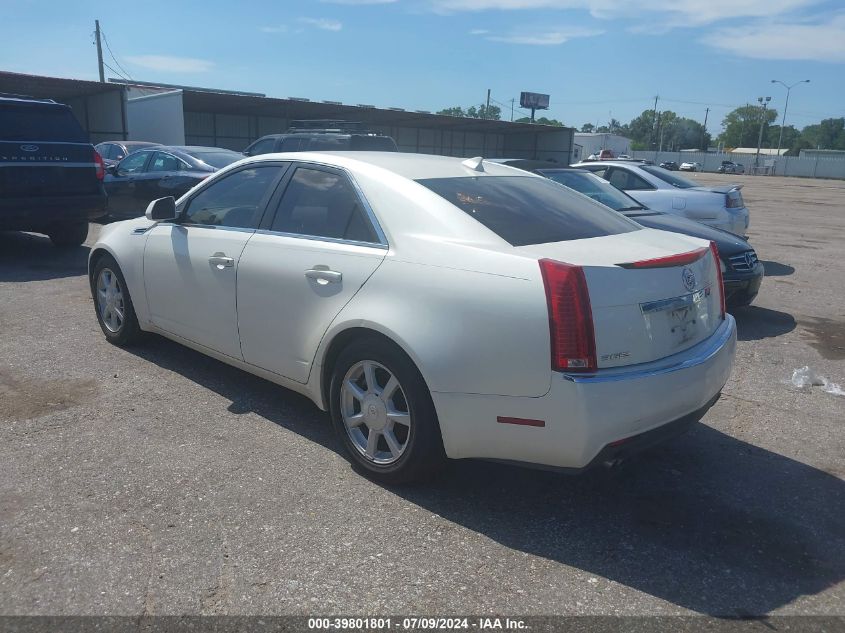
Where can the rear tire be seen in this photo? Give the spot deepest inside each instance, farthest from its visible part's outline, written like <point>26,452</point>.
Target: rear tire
<point>113,305</point>
<point>389,428</point>
<point>68,234</point>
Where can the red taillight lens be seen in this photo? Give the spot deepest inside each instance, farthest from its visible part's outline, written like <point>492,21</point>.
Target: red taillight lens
<point>570,317</point>
<point>715,250</point>
<point>101,168</point>
<point>733,202</point>
<point>668,262</point>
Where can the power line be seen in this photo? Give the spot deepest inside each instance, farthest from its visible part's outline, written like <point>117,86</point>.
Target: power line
<point>106,40</point>
<point>116,72</point>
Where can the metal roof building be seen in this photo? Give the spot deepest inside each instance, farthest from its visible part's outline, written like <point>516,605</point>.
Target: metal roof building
<point>182,115</point>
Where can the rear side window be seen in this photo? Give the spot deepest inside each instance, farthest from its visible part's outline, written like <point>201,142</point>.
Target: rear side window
<point>372,144</point>
<point>327,144</point>
<point>20,122</point>
<point>667,176</point>
<point>322,204</point>
<point>626,181</point>
<point>291,144</point>
<point>525,210</point>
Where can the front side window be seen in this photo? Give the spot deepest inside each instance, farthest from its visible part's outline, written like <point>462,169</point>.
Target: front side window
<point>526,210</point>
<point>117,152</point>
<point>234,200</point>
<point>132,164</point>
<point>322,204</point>
<point>262,146</point>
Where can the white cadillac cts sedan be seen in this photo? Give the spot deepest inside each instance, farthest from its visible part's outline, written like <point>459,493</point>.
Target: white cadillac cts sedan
<point>437,307</point>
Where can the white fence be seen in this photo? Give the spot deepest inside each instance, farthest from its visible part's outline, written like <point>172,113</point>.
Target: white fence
<point>816,167</point>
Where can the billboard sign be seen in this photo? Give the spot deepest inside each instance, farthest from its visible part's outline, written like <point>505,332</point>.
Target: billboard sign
<point>534,101</point>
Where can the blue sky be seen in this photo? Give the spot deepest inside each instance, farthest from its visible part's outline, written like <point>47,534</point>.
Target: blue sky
<point>596,58</point>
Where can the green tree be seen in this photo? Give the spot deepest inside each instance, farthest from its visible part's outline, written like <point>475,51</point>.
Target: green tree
<point>542,121</point>
<point>587,128</point>
<point>741,126</point>
<point>790,136</point>
<point>475,112</point>
<point>827,134</point>
<point>641,130</point>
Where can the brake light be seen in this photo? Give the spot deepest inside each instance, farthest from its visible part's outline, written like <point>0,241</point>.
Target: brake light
<point>734,202</point>
<point>715,250</point>
<point>101,167</point>
<point>573,342</point>
<point>668,262</point>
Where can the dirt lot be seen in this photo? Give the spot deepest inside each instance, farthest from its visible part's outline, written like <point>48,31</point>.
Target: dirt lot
<point>157,481</point>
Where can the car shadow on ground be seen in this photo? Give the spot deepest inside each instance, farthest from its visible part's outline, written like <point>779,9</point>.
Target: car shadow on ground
<point>706,522</point>
<point>776,269</point>
<point>754,323</point>
<point>32,257</point>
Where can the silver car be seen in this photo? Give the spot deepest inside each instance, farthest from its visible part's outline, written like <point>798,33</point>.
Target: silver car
<point>720,206</point>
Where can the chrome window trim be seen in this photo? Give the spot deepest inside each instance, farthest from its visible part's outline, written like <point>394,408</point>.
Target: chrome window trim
<point>707,349</point>
<point>218,227</point>
<point>320,238</point>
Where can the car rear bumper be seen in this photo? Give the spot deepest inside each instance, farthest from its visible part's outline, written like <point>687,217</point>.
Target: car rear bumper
<point>35,213</point>
<point>741,289</point>
<point>584,417</point>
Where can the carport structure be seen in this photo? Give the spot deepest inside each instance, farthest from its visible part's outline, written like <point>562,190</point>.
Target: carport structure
<point>233,120</point>
<point>99,107</point>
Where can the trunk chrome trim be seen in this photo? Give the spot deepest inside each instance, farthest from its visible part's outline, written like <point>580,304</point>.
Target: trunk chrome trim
<point>702,352</point>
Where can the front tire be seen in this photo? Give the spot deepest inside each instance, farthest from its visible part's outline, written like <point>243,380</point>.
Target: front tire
<point>383,414</point>
<point>113,305</point>
<point>73,234</point>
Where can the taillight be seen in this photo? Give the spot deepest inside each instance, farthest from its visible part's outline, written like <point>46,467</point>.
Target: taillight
<point>101,167</point>
<point>715,250</point>
<point>669,261</point>
<point>734,202</point>
<point>573,343</point>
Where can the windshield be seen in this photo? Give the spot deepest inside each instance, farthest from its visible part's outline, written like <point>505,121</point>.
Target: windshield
<point>596,188</point>
<point>667,176</point>
<point>218,159</point>
<point>526,210</point>
<point>40,123</point>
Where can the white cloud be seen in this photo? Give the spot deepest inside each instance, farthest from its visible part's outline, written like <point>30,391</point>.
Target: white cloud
<point>166,63</point>
<point>543,37</point>
<point>677,13</point>
<point>479,32</point>
<point>281,28</point>
<point>822,42</point>
<point>323,23</point>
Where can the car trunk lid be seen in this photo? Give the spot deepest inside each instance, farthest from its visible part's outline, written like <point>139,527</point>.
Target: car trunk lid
<point>642,313</point>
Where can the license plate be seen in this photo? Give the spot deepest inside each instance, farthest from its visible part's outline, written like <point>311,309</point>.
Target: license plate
<point>685,317</point>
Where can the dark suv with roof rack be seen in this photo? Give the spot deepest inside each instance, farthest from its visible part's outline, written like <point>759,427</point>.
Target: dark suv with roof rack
<point>323,136</point>
<point>51,177</point>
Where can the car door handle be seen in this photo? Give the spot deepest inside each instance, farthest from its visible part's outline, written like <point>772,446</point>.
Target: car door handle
<point>324,276</point>
<point>221,261</point>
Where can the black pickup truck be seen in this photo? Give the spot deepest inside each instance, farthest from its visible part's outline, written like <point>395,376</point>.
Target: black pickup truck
<point>51,178</point>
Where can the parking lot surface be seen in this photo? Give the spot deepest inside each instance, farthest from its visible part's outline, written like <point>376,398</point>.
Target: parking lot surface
<point>158,481</point>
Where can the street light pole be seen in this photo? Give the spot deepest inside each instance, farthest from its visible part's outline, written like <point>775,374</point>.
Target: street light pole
<point>786,105</point>
<point>764,103</point>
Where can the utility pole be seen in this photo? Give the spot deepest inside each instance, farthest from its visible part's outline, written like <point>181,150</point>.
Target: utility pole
<point>764,103</point>
<point>99,51</point>
<point>654,124</point>
<point>487,109</point>
<point>704,131</point>
<point>657,148</point>
<point>512,101</point>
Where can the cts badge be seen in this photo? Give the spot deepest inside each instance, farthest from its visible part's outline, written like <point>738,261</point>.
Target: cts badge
<point>689,278</point>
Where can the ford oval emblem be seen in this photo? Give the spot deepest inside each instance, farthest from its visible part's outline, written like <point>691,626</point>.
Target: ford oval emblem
<point>689,279</point>
<point>29,148</point>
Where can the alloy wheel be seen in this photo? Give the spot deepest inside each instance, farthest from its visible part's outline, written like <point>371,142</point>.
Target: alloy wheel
<point>110,300</point>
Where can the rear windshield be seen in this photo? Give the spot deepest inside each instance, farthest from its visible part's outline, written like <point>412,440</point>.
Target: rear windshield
<point>217,159</point>
<point>667,176</point>
<point>596,188</point>
<point>526,210</point>
<point>373,144</point>
<point>20,122</point>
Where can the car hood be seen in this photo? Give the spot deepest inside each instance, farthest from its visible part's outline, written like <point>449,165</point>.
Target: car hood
<point>728,243</point>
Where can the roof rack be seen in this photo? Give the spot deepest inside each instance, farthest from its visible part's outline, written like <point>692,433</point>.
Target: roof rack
<point>11,95</point>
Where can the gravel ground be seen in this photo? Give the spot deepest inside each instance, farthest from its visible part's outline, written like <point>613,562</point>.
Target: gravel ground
<point>158,481</point>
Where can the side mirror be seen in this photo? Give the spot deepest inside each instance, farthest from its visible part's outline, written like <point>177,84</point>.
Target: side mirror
<point>162,209</point>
